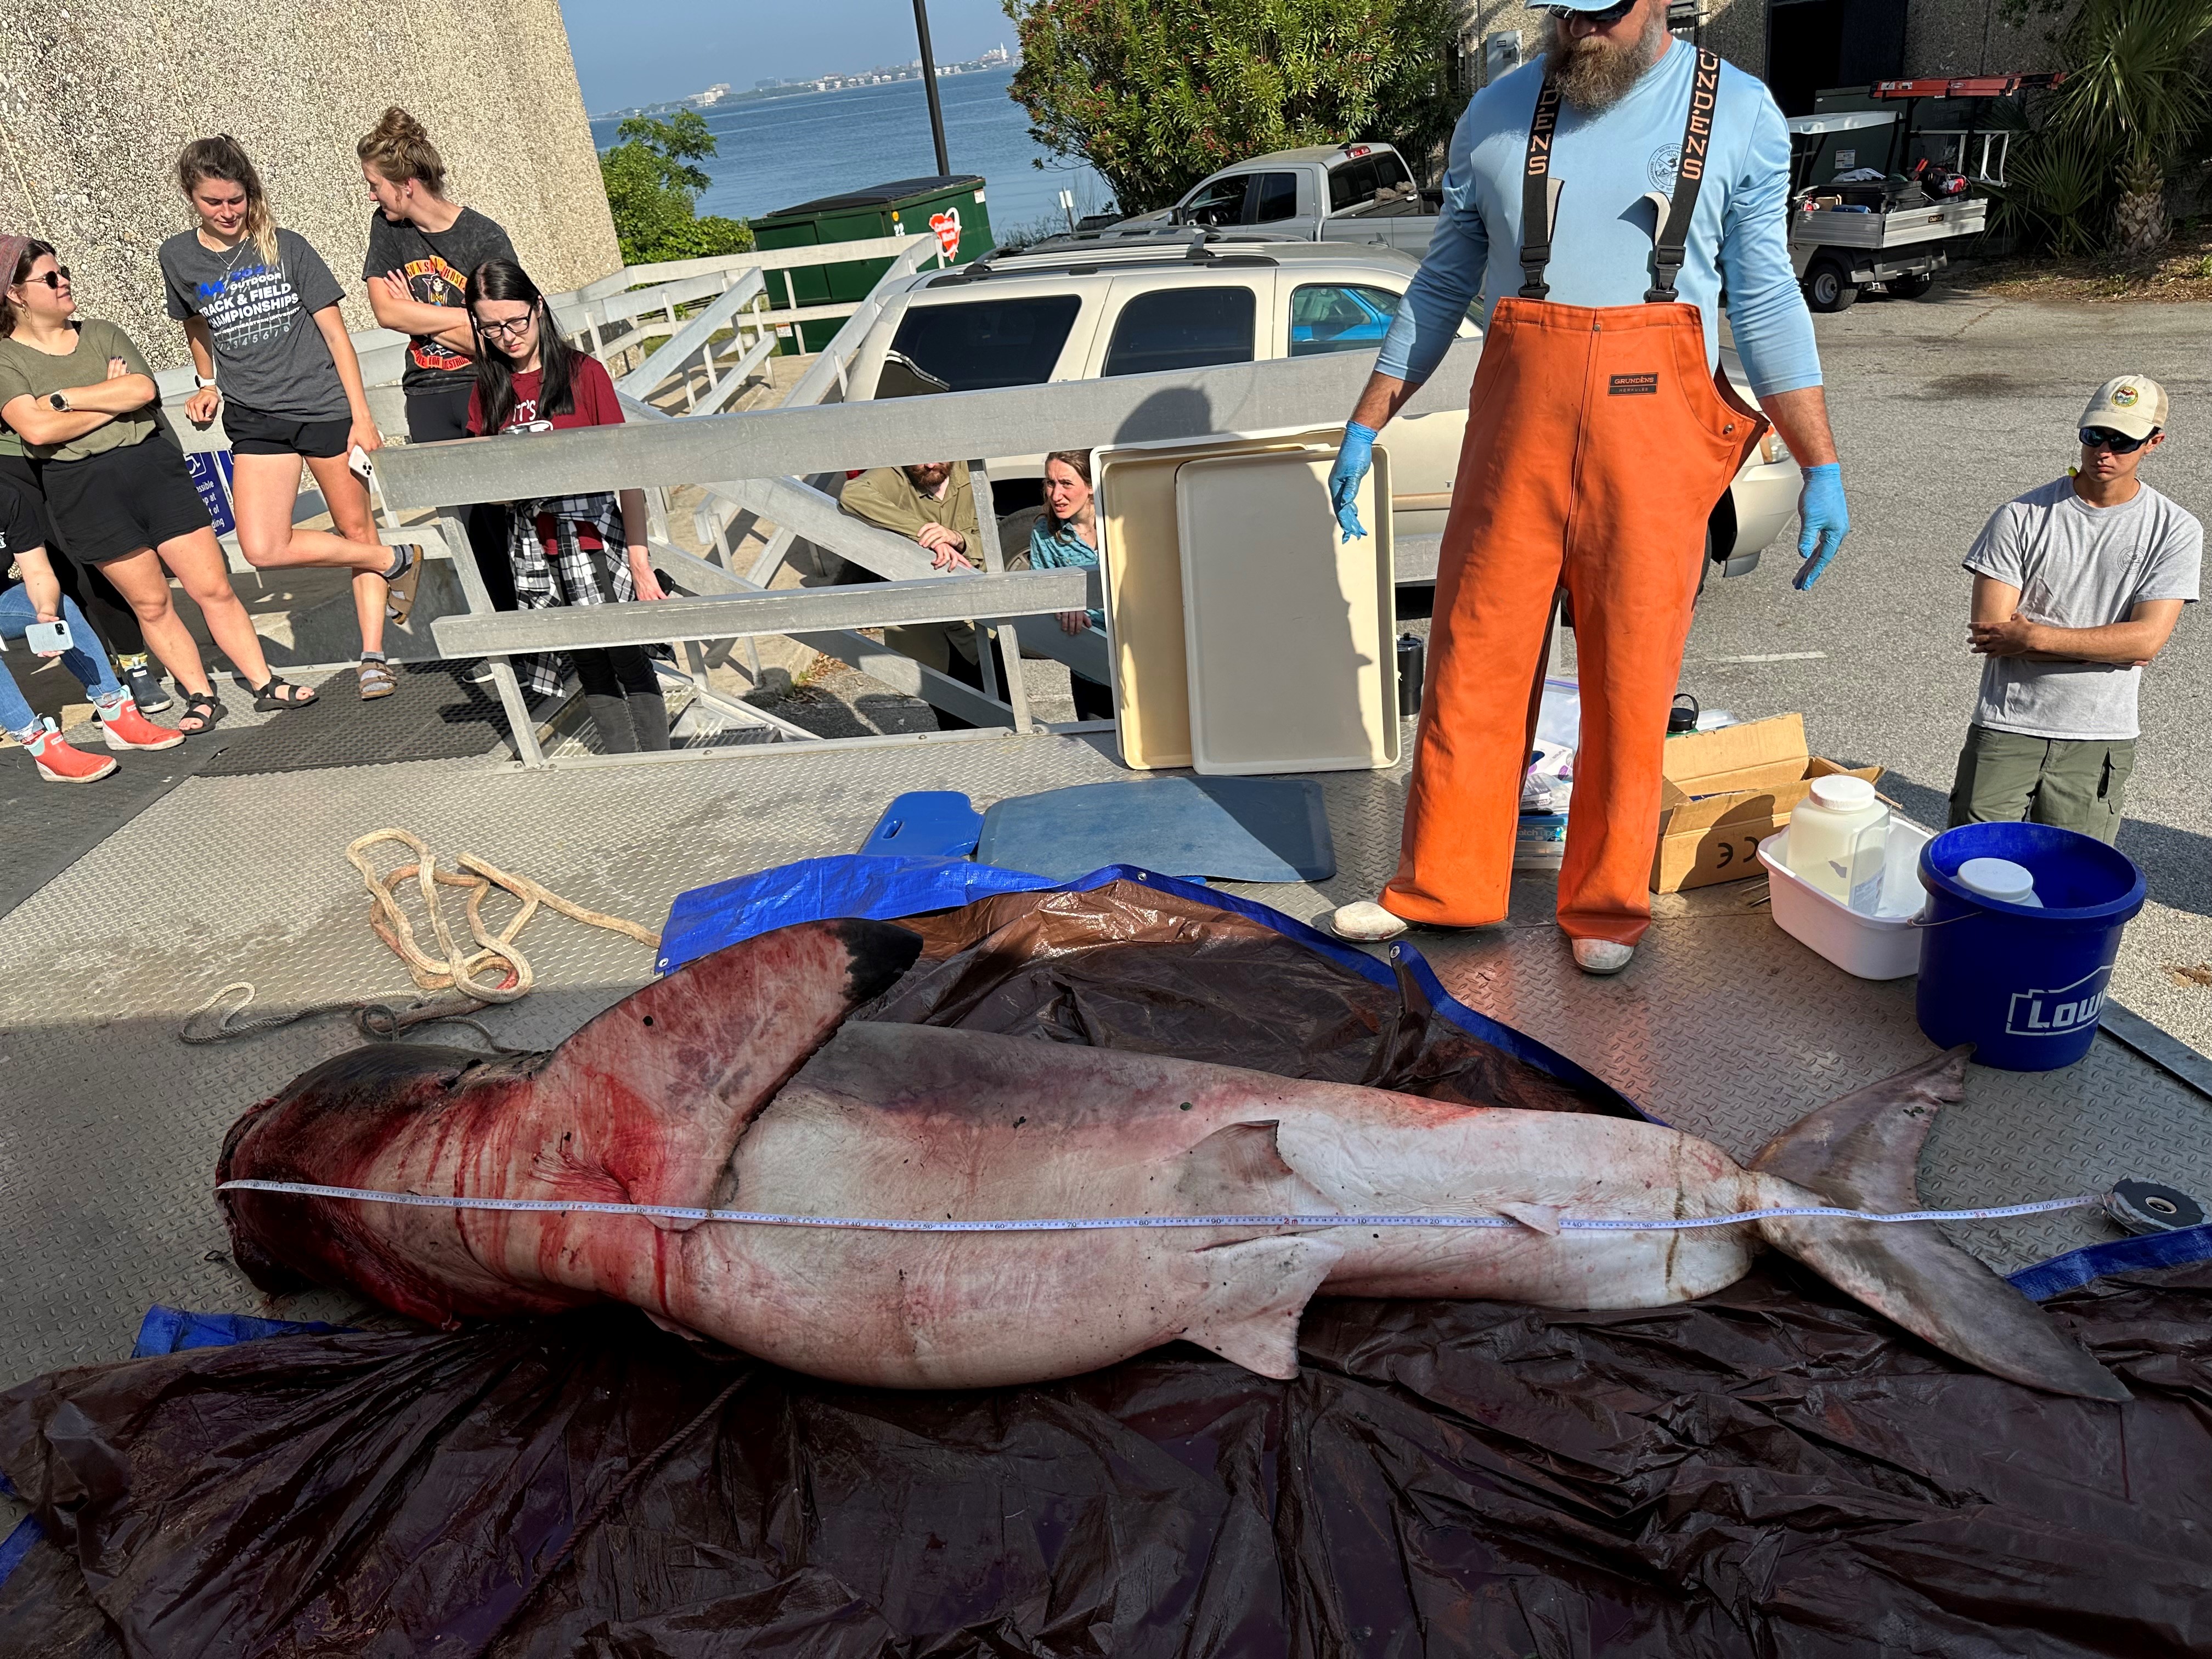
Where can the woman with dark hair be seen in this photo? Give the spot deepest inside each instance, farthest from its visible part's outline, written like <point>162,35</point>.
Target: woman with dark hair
<point>270,351</point>
<point>80,395</point>
<point>563,551</point>
<point>1067,535</point>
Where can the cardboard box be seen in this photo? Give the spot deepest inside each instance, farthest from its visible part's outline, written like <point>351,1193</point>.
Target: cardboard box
<point>1725,792</point>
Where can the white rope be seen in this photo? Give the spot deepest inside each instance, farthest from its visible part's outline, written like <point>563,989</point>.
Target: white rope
<point>1109,1223</point>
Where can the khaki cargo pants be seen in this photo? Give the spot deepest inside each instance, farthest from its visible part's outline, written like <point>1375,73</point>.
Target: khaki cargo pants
<point>2075,783</point>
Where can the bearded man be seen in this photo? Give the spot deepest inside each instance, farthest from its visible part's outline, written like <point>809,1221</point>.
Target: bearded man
<point>1602,198</point>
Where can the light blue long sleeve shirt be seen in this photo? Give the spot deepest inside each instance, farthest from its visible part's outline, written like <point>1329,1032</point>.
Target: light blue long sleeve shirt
<point>1601,244</point>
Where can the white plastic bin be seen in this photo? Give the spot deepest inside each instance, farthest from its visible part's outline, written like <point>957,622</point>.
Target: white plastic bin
<point>1883,945</point>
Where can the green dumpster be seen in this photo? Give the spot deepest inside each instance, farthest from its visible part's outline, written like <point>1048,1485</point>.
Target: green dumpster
<point>950,208</point>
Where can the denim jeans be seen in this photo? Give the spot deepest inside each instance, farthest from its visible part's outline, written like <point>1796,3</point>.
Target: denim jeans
<point>84,659</point>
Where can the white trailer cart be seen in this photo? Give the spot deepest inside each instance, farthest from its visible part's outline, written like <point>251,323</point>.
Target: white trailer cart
<point>1838,251</point>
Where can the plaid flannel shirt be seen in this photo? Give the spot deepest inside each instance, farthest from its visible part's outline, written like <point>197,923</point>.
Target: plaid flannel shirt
<point>569,576</point>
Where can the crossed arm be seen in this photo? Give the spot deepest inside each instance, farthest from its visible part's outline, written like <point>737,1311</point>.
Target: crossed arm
<point>396,309</point>
<point>1998,629</point>
<point>37,421</point>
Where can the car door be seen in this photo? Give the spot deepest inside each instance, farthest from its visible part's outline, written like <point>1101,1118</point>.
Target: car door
<point>1333,314</point>
<point>1181,319</point>
<point>1273,206</point>
<point>1219,203</point>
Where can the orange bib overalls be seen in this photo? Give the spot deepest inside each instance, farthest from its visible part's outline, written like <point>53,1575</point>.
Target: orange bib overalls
<point>1597,443</point>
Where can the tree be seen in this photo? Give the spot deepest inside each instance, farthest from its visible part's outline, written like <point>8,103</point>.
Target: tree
<point>1157,94</point>
<point>2096,151</point>
<point>652,180</point>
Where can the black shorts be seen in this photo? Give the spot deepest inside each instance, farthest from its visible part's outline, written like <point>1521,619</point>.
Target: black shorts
<point>252,433</point>
<point>20,475</point>
<point>121,500</point>
<point>438,417</point>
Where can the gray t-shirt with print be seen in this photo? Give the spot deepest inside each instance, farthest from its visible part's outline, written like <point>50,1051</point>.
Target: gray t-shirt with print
<point>2079,566</point>
<point>270,356</point>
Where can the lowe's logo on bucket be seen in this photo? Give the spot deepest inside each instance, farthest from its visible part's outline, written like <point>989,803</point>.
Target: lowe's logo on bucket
<point>2052,1013</point>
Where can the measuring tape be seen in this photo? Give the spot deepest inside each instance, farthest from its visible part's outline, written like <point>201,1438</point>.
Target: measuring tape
<point>1122,1223</point>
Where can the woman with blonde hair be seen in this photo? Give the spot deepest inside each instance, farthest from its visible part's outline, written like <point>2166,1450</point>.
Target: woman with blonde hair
<point>270,351</point>
<point>422,248</point>
<point>81,396</point>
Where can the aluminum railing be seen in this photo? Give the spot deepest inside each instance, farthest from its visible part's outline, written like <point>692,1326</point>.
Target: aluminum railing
<point>766,450</point>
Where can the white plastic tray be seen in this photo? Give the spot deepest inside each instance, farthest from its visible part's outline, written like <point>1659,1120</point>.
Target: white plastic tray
<point>1288,627</point>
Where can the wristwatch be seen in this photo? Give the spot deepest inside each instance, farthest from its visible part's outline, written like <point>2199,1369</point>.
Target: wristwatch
<point>59,400</point>
<point>208,385</point>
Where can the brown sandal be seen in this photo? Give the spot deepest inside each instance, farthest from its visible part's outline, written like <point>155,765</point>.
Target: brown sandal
<point>399,595</point>
<point>377,680</point>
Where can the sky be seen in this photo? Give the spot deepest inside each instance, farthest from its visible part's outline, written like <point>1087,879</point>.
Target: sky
<point>645,52</point>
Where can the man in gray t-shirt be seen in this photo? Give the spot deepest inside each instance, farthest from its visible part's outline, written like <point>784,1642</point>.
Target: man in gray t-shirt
<point>2077,586</point>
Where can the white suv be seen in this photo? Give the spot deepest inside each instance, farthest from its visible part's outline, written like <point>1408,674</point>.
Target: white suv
<point>1083,313</point>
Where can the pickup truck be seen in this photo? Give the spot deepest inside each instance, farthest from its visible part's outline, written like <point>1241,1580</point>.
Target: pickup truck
<point>1323,193</point>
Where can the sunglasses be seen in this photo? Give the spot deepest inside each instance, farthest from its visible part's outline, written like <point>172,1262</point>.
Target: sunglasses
<point>511,328</point>
<point>1602,20</point>
<point>2099,437</point>
<point>53,279</point>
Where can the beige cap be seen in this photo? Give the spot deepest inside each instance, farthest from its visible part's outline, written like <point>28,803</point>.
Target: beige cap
<point>2133,406</point>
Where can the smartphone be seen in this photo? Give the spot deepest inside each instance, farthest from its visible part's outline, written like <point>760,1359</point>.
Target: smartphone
<point>48,639</point>
<point>357,463</point>
<point>527,425</point>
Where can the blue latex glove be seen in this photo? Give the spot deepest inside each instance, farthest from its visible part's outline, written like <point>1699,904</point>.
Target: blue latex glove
<point>1825,521</point>
<point>1352,462</point>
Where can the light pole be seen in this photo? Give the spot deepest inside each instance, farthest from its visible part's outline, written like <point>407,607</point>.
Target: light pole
<point>929,80</point>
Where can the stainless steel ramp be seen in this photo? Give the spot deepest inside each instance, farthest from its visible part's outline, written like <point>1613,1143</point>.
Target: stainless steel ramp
<point>111,1127</point>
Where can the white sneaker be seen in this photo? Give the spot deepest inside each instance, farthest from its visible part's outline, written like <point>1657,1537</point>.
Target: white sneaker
<point>1364,921</point>
<point>1601,955</point>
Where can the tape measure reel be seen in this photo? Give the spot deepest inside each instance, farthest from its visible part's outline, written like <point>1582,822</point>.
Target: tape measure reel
<point>2145,1206</point>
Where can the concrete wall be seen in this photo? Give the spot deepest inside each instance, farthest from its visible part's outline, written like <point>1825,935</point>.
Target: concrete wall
<point>95,101</point>
<point>1941,37</point>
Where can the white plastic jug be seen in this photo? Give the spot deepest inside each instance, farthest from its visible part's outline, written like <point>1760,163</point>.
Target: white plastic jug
<point>2000,879</point>
<point>1839,838</point>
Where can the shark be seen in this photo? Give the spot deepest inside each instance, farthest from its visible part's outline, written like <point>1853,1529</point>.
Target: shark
<point>740,1081</point>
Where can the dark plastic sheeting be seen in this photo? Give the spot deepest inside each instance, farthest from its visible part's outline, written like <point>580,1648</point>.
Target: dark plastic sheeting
<point>1771,1472</point>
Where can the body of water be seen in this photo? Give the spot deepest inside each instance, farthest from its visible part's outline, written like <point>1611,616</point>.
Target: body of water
<point>776,153</point>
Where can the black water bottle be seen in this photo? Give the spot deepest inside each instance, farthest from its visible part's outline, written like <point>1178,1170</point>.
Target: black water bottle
<point>1412,668</point>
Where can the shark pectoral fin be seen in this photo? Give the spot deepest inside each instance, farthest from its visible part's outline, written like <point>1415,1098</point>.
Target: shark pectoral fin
<point>1255,1293</point>
<point>1543,1218</point>
<point>1239,1170</point>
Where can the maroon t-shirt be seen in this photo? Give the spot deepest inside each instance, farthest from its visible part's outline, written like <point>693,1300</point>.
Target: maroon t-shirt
<point>592,403</point>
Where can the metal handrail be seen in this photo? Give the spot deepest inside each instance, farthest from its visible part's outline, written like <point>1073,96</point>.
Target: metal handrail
<point>787,443</point>
<point>697,335</point>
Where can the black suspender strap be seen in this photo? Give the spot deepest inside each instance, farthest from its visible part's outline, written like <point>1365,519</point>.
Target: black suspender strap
<point>1537,194</point>
<point>1669,247</point>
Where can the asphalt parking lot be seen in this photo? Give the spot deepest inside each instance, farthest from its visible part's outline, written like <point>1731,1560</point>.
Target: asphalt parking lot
<point>1944,407</point>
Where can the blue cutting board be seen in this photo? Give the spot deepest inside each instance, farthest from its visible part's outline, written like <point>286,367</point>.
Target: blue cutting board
<point>1260,829</point>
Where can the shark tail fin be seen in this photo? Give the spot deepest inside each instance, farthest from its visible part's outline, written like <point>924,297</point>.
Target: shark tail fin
<point>1862,1151</point>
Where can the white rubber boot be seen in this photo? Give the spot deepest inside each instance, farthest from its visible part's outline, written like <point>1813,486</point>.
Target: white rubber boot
<point>1364,921</point>
<point>1602,955</point>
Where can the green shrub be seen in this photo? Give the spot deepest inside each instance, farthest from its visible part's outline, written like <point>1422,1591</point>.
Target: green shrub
<point>652,180</point>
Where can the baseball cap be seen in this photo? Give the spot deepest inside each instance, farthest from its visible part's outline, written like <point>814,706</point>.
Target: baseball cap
<point>2133,406</point>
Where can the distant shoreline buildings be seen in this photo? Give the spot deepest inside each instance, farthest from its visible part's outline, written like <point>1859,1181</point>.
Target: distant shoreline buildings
<point>720,95</point>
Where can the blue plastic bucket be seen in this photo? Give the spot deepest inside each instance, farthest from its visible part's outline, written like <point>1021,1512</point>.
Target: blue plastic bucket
<point>2025,986</point>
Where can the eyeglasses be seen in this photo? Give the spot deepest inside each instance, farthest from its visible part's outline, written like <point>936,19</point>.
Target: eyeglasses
<point>53,279</point>
<point>2099,437</point>
<point>1600,20</point>
<point>512,327</point>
